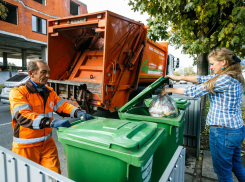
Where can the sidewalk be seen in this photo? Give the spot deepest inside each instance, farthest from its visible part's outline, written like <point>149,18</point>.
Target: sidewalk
<point>202,170</point>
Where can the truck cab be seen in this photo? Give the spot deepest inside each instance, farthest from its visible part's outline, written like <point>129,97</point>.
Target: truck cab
<point>172,64</point>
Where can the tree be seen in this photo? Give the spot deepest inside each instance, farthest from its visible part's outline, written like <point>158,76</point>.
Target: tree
<point>198,26</point>
<point>188,71</point>
<point>177,73</point>
<point>11,64</point>
<point>3,12</point>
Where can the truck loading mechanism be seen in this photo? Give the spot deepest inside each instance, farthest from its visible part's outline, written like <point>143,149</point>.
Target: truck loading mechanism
<point>99,59</point>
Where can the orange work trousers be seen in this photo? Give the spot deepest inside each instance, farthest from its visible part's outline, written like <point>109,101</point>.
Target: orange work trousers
<point>45,155</point>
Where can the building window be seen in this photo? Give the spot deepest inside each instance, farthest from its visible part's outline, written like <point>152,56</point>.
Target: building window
<point>12,14</point>
<point>39,25</point>
<point>74,8</point>
<point>43,2</point>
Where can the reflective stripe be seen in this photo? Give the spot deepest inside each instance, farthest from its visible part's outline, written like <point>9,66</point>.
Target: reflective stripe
<point>31,140</point>
<point>27,106</point>
<point>20,107</point>
<point>57,106</point>
<point>36,122</point>
<point>49,114</point>
<point>73,112</point>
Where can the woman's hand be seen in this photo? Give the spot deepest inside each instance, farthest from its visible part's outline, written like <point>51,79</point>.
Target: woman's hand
<point>163,91</point>
<point>173,77</point>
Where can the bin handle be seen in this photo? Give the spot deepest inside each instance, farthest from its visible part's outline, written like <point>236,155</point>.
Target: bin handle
<point>127,171</point>
<point>76,122</point>
<point>79,121</point>
<point>170,130</point>
<point>183,120</point>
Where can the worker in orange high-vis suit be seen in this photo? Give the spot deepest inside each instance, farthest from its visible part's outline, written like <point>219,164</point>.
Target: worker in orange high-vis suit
<point>32,105</point>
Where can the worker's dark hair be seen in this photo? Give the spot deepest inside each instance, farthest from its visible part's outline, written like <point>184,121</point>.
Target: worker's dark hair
<point>32,65</point>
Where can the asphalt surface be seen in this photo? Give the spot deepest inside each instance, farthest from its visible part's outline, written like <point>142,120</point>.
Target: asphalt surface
<point>5,127</point>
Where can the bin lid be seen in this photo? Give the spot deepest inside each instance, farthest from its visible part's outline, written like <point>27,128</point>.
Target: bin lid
<point>182,103</point>
<point>111,132</point>
<point>132,142</point>
<point>141,96</point>
<point>180,100</point>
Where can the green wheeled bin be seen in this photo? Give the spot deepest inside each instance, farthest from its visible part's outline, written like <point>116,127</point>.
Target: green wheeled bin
<point>172,127</point>
<point>110,150</point>
<point>182,104</point>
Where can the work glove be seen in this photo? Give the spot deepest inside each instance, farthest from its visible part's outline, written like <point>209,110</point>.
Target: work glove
<point>60,123</point>
<point>84,115</point>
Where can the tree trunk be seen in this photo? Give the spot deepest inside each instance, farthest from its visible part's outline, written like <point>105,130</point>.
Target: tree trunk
<point>202,69</point>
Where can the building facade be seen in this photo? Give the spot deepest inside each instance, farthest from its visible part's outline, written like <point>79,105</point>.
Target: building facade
<point>23,34</point>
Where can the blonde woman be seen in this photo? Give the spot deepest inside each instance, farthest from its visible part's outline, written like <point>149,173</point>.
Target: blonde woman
<point>225,90</point>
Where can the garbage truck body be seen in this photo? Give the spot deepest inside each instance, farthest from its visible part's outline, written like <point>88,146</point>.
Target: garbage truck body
<point>99,59</point>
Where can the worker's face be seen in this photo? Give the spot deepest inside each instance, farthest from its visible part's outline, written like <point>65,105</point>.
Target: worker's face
<point>216,66</point>
<point>41,76</point>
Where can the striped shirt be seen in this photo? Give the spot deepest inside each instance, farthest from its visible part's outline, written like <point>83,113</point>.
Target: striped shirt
<point>225,103</point>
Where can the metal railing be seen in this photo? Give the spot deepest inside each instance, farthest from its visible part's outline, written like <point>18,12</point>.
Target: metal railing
<point>175,172</point>
<point>15,168</point>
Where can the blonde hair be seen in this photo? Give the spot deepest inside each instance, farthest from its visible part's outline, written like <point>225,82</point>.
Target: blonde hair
<point>233,68</point>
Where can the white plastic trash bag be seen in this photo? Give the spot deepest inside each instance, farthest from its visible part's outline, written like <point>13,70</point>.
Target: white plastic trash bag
<point>163,106</point>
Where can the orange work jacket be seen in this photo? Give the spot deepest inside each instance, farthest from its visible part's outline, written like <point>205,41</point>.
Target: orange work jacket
<point>32,113</point>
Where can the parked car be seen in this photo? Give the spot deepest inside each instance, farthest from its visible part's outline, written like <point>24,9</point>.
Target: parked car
<point>183,82</point>
<point>10,83</point>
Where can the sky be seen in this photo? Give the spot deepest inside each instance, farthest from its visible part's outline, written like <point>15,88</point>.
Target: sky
<point>121,7</point>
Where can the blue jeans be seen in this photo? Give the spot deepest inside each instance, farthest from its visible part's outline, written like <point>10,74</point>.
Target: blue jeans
<point>225,147</point>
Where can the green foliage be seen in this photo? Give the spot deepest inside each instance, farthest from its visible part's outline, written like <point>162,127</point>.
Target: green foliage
<point>176,73</point>
<point>186,71</point>
<point>196,25</point>
<point>3,11</point>
<point>1,87</point>
<point>11,64</point>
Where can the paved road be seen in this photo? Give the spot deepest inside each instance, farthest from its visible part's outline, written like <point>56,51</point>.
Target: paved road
<point>5,126</point>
